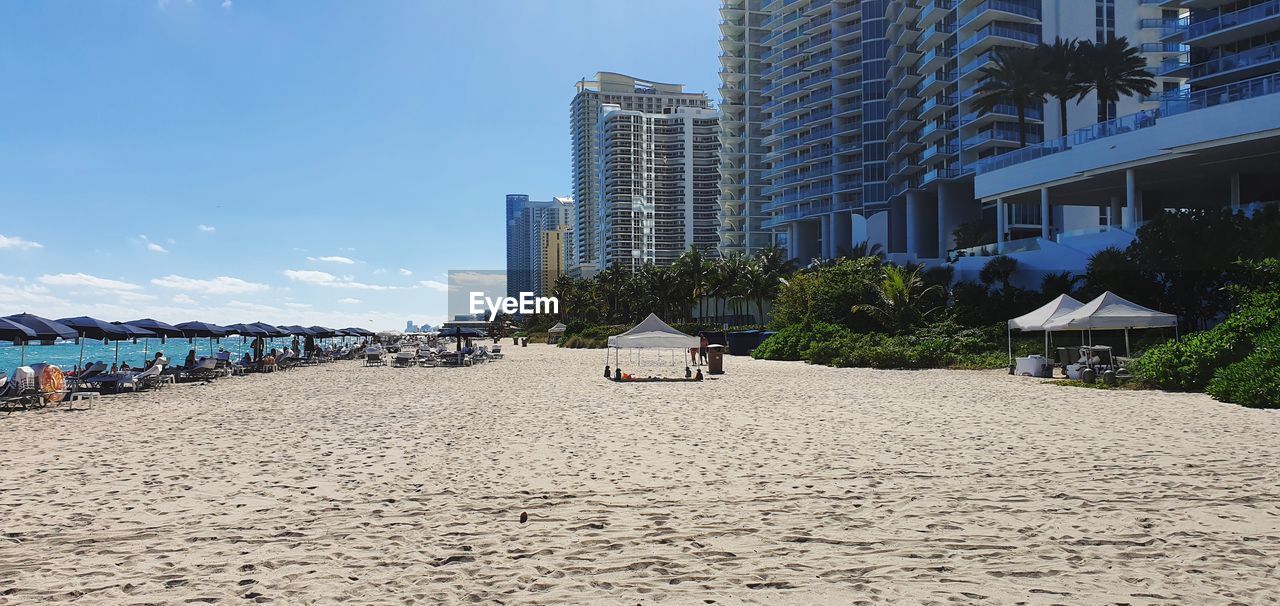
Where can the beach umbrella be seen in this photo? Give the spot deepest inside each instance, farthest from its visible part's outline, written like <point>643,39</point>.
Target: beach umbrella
<point>192,330</point>
<point>321,331</point>
<point>44,329</point>
<point>134,333</point>
<point>164,331</point>
<point>12,331</point>
<point>271,330</point>
<point>298,330</point>
<point>98,330</point>
<point>246,330</point>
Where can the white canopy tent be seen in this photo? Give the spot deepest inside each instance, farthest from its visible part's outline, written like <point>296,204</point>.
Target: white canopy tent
<point>1042,316</point>
<point>1112,312</point>
<point>652,333</point>
<point>558,328</point>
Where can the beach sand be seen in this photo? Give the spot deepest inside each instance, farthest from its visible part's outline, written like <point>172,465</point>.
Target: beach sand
<point>776,483</point>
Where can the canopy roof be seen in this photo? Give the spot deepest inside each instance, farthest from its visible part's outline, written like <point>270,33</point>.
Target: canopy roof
<point>202,329</point>
<point>94,328</point>
<point>158,327</point>
<point>559,327</point>
<point>654,333</point>
<point>13,331</point>
<point>1054,309</point>
<point>135,331</point>
<point>44,328</point>
<point>1110,311</point>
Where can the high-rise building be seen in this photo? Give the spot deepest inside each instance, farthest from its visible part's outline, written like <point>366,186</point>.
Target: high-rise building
<point>526,221</point>
<point>658,185</point>
<point>849,122</point>
<point>627,93</point>
<point>553,243</point>
<point>1210,144</point>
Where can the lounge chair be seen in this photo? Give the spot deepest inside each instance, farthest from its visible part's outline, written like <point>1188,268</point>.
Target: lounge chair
<point>149,378</point>
<point>204,370</point>
<point>373,358</point>
<point>496,354</point>
<point>403,359</point>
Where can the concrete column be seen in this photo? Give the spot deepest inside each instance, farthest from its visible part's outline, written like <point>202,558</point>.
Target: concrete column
<point>841,231</point>
<point>1235,191</point>
<point>1001,224</point>
<point>824,228</point>
<point>1044,213</point>
<point>915,222</point>
<point>1114,217</point>
<point>1128,220</point>
<point>792,251</point>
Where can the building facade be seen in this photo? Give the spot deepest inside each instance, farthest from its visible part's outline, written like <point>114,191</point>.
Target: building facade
<point>553,257</point>
<point>629,94</point>
<point>527,220</point>
<point>1213,143</point>
<point>659,185</point>
<point>850,122</point>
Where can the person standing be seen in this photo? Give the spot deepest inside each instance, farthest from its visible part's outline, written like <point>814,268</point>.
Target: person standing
<point>257,347</point>
<point>294,345</point>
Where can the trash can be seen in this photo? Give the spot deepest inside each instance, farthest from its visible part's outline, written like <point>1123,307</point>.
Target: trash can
<point>715,359</point>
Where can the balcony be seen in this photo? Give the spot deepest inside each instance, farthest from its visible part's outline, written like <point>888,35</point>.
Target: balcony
<point>939,152</point>
<point>936,106</point>
<point>936,129</point>
<point>1003,111</point>
<point>1234,66</point>
<point>934,11</point>
<point>1174,103</point>
<point>935,83</point>
<point>936,35</point>
<point>995,137</point>
<point>935,59</point>
<point>1004,10</point>
<point>944,174</point>
<point>996,34</point>
<point>1253,21</point>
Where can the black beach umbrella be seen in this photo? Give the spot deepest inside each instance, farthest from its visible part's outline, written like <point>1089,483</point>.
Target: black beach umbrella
<point>193,330</point>
<point>164,331</point>
<point>98,330</point>
<point>44,329</point>
<point>135,333</point>
<point>12,331</point>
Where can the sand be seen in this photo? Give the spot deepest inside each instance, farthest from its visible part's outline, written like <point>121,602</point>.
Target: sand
<point>776,483</point>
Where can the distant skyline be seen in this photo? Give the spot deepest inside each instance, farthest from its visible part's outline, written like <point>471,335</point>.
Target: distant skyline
<point>294,161</point>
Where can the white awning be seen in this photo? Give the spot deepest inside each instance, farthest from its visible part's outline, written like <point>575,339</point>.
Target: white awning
<point>654,333</point>
<point>1052,310</point>
<point>1111,312</point>
<point>559,327</point>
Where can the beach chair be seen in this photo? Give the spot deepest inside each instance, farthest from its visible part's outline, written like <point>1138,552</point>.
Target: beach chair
<point>148,379</point>
<point>403,359</point>
<point>373,358</point>
<point>204,370</point>
<point>496,354</point>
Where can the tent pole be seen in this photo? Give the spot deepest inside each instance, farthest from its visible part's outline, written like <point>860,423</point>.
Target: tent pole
<point>81,353</point>
<point>117,362</point>
<point>1127,353</point>
<point>1008,332</point>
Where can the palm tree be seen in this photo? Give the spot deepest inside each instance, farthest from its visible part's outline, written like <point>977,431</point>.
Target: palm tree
<point>758,285</point>
<point>865,248</point>
<point>1113,69</point>
<point>1016,79</point>
<point>901,297</point>
<point>1063,63</point>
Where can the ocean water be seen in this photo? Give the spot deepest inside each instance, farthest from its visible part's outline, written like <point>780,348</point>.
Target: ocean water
<point>67,354</point>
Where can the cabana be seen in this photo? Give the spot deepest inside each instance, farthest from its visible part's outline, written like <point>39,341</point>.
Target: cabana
<point>652,333</point>
<point>556,332</point>
<point>1038,319</point>
<point>1111,312</point>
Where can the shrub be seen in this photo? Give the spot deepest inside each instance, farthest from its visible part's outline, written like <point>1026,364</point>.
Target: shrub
<point>828,294</point>
<point>794,342</point>
<point>1188,364</point>
<point>1255,380</point>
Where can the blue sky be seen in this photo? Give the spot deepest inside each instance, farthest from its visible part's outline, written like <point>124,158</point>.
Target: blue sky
<point>294,161</point>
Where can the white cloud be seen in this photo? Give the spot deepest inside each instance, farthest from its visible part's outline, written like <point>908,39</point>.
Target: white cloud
<point>208,229</point>
<point>333,259</point>
<point>323,278</point>
<point>226,4</point>
<point>379,271</point>
<point>17,243</point>
<point>87,281</point>
<point>434,285</point>
<point>221,285</point>
<point>183,299</point>
<point>349,301</point>
<point>152,246</point>
<point>298,305</point>
<point>405,272</point>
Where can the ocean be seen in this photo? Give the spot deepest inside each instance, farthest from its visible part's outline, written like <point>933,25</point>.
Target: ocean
<point>66,354</point>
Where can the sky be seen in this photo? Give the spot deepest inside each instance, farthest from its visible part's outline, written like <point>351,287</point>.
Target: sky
<point>295,161</point>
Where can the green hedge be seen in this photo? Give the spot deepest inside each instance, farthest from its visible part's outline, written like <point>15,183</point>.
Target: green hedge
<point>1189,363</point>
<point>794,342</point>
<point>1255,380</point>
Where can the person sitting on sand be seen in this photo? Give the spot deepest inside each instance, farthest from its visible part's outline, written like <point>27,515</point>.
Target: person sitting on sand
<point>124,367</point>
